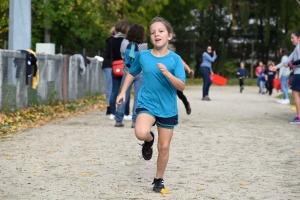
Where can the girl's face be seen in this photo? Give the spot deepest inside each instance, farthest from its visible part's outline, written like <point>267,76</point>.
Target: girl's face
<point>294,39</point>
<point>159,35</point>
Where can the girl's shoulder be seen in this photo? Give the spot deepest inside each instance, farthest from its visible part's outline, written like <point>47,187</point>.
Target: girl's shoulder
<point>145,52</point>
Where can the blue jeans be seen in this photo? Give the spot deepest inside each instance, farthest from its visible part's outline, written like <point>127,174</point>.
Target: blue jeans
<point>116,84</point>
<point>206,80</point>
<point>108,80</point>
<point>137,83</point>
<point>284,86</point>
<point>258,81</point>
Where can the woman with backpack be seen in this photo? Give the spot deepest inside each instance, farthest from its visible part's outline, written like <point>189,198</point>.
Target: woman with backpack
<point>131,46</point>
<point>113,53</point>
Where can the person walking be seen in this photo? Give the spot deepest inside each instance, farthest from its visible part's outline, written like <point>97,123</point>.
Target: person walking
<point>284,75</point>
<point>270,76</point>
<point>107,69</point>
<point>180,94</point>
<point>130,47</point>
<point>262,79</point>
<point>242,73</point>
<point>163,75</point>
<point>257,73</point>
<point>295,83</point>
<point>114,53</point>
<point>208,57</point>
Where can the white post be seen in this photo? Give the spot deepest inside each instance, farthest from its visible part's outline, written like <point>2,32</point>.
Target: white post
<point>19,36</point>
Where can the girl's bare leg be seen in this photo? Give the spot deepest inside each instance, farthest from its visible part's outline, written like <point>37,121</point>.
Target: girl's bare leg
<point>163,146</point>
<point>143,125</point>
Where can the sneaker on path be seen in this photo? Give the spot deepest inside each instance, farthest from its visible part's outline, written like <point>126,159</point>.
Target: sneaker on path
<point>206,98</point>
<point>107,110</point>
<point>147,148</point>
<point>111,116</point>
<point>280,100</point>
<point>241,89</point>
<point>127,117</point>
<point>133,124</point>
<point>188,109</point>
<point>285,101</point>
<point>295,121</point>
<point>119,124</point>
<point>158,184</point>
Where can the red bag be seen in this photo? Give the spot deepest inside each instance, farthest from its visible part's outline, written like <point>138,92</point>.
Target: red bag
<point>117,68</point>
<point>276,84</point>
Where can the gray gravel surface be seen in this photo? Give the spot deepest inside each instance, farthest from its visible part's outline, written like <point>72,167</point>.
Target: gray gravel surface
<point>237,146</point>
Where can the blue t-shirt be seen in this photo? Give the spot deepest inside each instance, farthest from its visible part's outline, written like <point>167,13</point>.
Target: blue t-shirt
<point>157,94</point>
<point>243,72</point>
<point>262,76</point>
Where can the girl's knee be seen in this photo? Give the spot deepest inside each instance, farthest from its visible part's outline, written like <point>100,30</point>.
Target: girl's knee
<point>163,148</point>
<point>142,133</point>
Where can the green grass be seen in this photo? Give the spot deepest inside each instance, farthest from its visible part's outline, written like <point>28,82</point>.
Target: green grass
<point>230,82</point>
<point>290,97</point>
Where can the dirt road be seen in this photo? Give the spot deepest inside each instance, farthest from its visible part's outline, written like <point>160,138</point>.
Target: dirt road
<point>237,146</point>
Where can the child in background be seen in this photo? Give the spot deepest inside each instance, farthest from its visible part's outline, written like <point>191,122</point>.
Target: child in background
<point>257,73</point>
<point>262,80</point>
<point>163,75</point>
<point>270,75</point>
<point>242,73</point>
<point>180,93</point>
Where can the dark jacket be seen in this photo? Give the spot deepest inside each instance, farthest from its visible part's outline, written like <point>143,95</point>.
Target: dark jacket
<point>113,50</point>
<point>107,61</point>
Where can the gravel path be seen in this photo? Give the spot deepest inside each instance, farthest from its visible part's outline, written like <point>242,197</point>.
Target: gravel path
<point>237,146</point>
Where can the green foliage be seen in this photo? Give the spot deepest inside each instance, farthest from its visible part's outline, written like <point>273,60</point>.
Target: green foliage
<point>4,4</point>
<point>230,67</point>
<point>78,24</point>
<point>230,82</point>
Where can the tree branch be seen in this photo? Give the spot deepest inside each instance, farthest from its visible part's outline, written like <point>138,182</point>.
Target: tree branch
<point>298,2</point>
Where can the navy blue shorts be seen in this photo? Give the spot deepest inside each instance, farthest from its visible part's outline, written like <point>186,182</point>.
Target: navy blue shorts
<point>168,123</point>
<point>295,83</point>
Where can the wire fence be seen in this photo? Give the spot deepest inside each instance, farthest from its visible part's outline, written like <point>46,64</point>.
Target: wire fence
<point>60,78</point>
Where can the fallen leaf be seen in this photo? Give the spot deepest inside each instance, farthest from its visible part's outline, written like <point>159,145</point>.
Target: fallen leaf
<point>164,192</point>
<point>83,173</point>
<point>199,189</point>
<point>242,183</point>
<point>298,151</point>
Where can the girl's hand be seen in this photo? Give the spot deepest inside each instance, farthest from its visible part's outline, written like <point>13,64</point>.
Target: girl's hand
<point>163,69</point>
<point>191,71</point>
<point>121,98</point>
